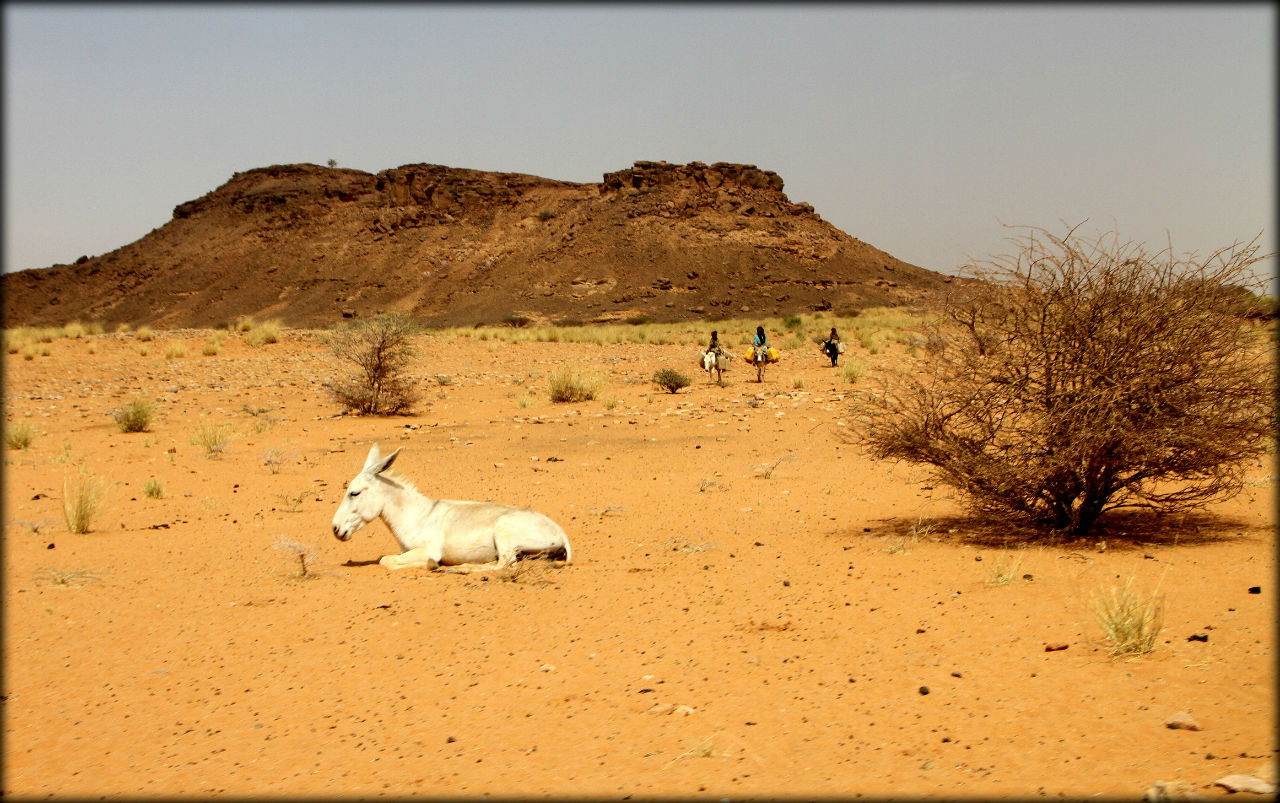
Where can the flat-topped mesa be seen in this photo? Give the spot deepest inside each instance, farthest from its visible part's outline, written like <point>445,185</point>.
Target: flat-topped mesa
<point>308,190</point>
<point>652,174</point>
<point>292,192</point>
<point>438,186</point>
<point>311,245</point>
<point>724,186</point>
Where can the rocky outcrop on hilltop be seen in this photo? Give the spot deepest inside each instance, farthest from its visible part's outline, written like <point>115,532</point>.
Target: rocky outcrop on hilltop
<point>452,246</point>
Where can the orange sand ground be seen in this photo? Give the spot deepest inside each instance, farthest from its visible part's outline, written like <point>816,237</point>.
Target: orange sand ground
<point>753,609</point>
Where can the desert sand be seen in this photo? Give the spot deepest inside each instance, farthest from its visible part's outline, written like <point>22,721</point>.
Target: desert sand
<point>755,608</point>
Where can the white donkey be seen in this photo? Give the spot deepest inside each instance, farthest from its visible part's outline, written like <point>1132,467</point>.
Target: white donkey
<point>714,363</point>
<point>442,532</point>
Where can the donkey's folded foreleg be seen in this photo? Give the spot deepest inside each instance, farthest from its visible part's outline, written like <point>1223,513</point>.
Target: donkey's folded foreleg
<point>468,568</point>
<point>412,559</point>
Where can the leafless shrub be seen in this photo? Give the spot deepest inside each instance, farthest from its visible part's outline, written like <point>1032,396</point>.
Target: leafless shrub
<point>381,350</point>
<point>303,554</point>
<point>66,579</point>
<point>1085,376</point>
<point>765,470</point>
<point>274,459</point>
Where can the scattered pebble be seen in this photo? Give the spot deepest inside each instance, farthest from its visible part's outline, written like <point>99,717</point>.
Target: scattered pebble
<point>1055,646</point>
<point>1246,783</point>
<point>1182,721</point>
<point>1162,791</point>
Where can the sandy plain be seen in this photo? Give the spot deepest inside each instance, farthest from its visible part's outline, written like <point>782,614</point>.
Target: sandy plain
<point>756,608</point>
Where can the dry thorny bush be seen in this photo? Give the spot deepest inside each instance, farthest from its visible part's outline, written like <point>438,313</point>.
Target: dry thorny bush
<point>381,350</point>
<point>1084,376</point>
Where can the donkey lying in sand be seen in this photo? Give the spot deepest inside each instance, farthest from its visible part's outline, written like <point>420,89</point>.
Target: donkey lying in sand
<point>442,532</point>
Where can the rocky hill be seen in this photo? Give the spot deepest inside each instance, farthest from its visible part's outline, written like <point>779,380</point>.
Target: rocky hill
<point>311,245</point>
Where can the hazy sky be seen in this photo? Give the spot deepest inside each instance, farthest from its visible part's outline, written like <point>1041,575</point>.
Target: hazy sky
<point>916,128</point>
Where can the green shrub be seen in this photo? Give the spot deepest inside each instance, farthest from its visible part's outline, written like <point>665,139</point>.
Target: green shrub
<point>135,416</point>
<point>670,380</point>
<point>153,489</point>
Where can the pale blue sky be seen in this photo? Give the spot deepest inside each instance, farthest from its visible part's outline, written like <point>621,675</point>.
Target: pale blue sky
<point>916,128</point>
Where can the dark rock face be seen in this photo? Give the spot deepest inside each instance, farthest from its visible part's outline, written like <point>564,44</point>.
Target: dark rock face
<point>456,247</point>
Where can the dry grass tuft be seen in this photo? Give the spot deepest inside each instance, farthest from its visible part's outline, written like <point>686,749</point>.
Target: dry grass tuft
<point>262,333</point>
<point>1130,623</point>
<point>1003,569</point>
<point>567,386</point>
<point>212,438</point>
<point>81,499</point>
<point>18,435</point>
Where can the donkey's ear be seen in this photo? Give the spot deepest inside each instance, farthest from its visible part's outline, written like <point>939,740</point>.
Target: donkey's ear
<point>375,457</point>
<point>386,462</point>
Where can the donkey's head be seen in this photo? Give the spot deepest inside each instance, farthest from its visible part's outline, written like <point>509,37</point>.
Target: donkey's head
<point>365,496</point>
